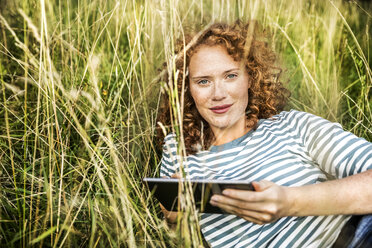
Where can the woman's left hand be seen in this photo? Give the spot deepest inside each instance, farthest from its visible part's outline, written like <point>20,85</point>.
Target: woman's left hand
<point>265,205</point>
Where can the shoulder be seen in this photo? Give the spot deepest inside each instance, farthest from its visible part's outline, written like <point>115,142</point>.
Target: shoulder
<point>296,122</point>
<point>302,118</point>
<point>170,143</point>
<point>170,138</point>
<point>294,115</point>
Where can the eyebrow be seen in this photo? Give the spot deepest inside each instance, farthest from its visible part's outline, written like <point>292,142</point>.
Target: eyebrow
<point>225,72</point>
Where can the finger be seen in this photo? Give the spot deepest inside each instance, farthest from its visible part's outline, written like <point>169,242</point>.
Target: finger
<point>242,204</point>
<point>162,207</point>
<point>250,215</point>
<point>253,220</point>
<point>176,175</point>
<point>262,185</point>
<point>244,195</point>
<point>170,216</point>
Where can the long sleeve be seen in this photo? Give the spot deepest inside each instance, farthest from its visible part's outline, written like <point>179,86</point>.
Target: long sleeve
<point>169,160</point>
<point>337,152</point>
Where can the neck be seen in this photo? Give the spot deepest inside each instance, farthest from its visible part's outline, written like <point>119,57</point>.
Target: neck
<point>225,135</point>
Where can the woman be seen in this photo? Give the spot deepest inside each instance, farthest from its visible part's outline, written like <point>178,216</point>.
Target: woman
<point>234,129</point>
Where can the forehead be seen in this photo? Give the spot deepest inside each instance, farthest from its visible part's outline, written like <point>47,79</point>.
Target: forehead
<point>210,60</point>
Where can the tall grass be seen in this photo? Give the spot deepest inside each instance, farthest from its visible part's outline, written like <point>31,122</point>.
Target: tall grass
<point>80,93</point>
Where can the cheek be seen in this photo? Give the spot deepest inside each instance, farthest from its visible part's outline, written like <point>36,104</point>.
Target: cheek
<point>242,95</point>
<point>199,97</point>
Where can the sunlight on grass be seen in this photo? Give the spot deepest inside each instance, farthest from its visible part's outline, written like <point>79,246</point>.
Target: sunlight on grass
<point>80,86</point>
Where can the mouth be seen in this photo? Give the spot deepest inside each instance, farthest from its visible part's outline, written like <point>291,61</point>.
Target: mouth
<point>221,109</point>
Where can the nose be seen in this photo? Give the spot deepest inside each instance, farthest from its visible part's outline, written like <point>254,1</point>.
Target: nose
<point>219,91</point>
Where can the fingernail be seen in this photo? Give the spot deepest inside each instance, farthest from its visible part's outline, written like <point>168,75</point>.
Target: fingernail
<point>214,198</point>
<point>226,192</point>
<point>212,203</point>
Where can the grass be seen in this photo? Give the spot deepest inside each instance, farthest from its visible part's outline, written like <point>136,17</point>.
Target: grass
<point>79,98</point>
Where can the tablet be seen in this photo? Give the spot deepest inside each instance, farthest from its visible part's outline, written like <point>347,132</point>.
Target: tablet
<point>166,191</point>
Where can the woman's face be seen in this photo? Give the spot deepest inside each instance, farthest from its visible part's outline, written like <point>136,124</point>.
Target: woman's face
<point>219,86</point>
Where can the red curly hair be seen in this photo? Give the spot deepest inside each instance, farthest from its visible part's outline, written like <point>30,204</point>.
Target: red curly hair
<point>245,43</point>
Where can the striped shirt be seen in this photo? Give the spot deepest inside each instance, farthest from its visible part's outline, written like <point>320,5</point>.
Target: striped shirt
<point>290,149</point>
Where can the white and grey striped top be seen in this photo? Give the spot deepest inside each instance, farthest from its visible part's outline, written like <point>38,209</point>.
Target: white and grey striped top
<point>291,149</point>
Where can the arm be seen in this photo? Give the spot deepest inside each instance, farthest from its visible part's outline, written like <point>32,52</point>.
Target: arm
<point>170,216</point>
<point>338,153</point>
<point>168,168</point>
<point>350,195</point>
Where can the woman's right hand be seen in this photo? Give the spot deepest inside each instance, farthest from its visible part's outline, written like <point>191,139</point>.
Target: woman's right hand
<point>170,216</point>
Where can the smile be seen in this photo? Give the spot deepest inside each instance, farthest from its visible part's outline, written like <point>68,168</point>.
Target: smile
<point>221,109</point>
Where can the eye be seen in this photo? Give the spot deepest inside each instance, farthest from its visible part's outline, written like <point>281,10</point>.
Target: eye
<point>231,76</point>
<point>203,82</point>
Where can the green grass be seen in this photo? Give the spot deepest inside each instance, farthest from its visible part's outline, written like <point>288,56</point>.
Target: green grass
<point>79,99</point>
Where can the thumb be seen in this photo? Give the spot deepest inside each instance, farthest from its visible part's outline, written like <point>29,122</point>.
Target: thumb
<point>176,175</point>
<point>262,185</point>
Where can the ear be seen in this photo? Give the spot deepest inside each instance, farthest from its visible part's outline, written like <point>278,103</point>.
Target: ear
<point>249,79</point>
<point>249,83</point>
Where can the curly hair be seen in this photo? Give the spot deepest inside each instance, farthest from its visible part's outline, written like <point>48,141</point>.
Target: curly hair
<point>245,43</point>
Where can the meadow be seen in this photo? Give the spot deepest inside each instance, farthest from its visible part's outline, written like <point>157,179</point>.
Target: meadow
<point>80,91</point>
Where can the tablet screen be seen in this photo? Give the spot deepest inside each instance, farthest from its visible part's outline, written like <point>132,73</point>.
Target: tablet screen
<point>166,191</point>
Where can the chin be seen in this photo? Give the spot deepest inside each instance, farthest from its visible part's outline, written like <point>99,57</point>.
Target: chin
<point>220,125</point>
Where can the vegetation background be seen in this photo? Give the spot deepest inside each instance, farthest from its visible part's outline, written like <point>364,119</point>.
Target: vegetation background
<point>79,98</point>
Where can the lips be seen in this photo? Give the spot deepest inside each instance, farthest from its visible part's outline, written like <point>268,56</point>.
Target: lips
<point>221,109</point>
